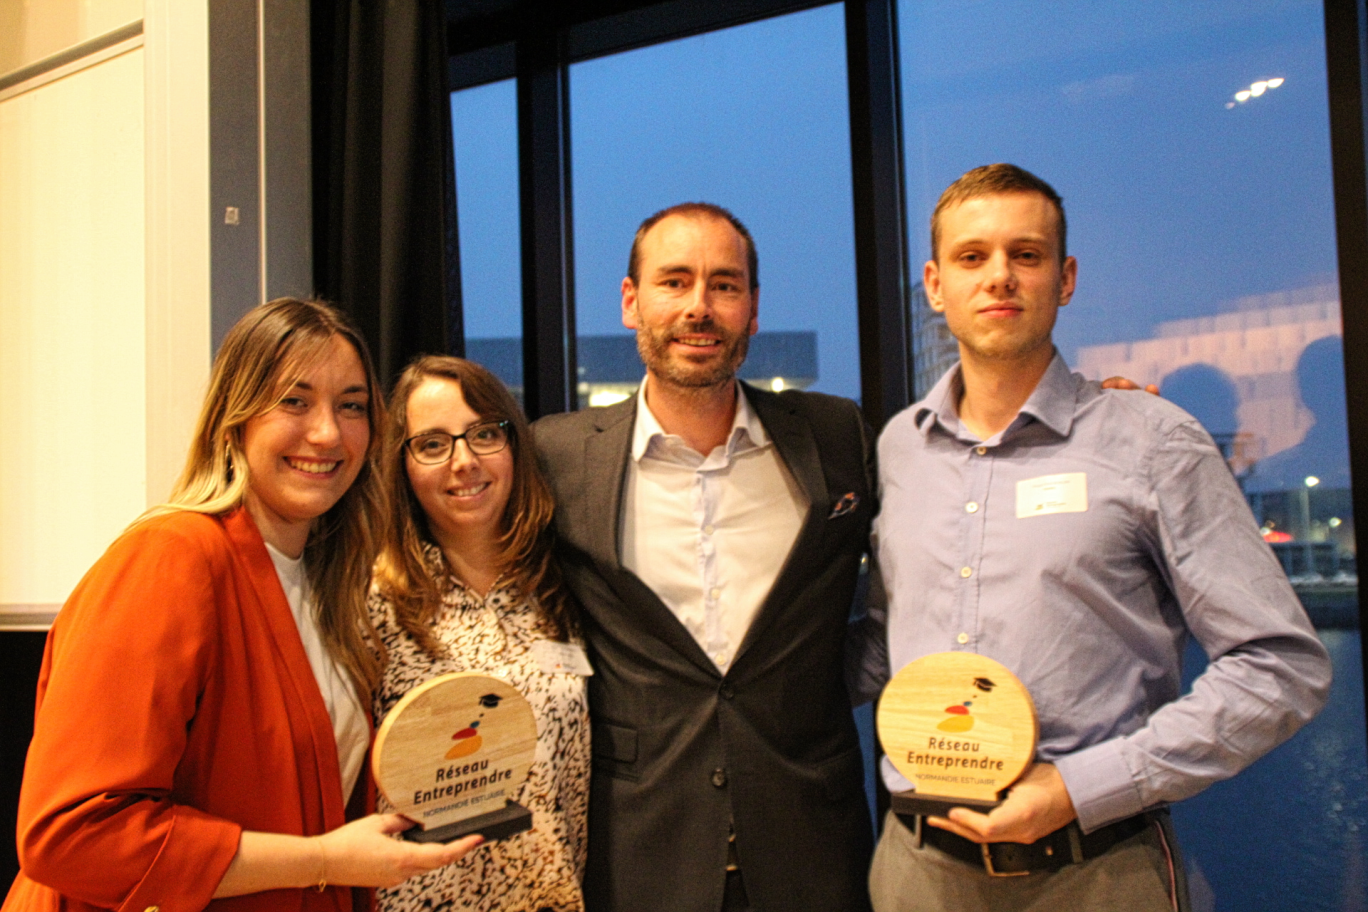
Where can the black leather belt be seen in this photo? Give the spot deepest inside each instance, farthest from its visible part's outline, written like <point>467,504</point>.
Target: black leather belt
<point>1065,846</point>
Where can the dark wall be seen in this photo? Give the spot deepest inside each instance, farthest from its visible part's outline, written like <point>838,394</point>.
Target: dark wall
<point>20,656</point>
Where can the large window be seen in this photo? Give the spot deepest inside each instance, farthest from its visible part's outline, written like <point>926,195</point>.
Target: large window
<point>753,118</point>
<point>1191,146</point>
<point>485,132</point>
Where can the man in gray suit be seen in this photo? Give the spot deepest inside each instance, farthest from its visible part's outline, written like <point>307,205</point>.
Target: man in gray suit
<point>713,534</point>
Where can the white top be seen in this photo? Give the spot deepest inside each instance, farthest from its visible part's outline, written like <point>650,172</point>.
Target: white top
<point>339,694</point>
<point>709,535</point>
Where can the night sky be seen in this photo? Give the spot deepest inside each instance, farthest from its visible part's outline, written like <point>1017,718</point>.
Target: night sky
<point>1176,203</point>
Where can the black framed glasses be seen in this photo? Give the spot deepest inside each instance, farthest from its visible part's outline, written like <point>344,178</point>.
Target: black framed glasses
<point>436,447</point>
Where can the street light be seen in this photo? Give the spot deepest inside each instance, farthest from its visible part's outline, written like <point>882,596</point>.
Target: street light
<point>1307,484</point>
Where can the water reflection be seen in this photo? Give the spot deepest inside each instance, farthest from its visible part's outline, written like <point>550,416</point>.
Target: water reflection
<point>1301,810</point>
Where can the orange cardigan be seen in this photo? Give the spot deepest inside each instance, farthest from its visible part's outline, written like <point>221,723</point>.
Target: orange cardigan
<point>176,707</point>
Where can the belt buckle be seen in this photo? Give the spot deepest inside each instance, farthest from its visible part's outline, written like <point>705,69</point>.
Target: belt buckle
<point>987,849</point>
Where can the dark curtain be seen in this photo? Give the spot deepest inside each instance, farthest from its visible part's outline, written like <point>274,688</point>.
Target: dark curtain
<point>385,247</point>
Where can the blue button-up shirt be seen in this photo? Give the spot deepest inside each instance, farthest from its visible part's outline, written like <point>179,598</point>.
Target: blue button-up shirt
<point>1080,547</point>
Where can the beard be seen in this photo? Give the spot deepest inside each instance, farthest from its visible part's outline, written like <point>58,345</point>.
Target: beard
<point>1009,347</point>
<point>711,367</point>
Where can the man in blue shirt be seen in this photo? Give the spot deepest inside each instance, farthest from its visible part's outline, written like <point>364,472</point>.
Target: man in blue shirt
<point>1078,539</point>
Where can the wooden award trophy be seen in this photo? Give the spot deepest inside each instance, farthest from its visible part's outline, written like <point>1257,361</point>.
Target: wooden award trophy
<point>961,727</point>
<point>452,753</point>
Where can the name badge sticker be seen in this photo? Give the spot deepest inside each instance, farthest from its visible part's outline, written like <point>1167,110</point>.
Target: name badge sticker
<point>561,658</point>
<point>1066,493</point>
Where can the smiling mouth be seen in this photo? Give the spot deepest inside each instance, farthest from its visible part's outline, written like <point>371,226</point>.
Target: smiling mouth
<point>698,343</point>
<point>470,491</point>
<point>314,467</point>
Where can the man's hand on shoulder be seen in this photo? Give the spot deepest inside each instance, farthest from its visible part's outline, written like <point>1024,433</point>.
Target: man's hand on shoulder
<point>1122,383</point>
<point>1036,806</point>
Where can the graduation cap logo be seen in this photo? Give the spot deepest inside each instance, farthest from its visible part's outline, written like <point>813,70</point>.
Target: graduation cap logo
<point>468,739</point>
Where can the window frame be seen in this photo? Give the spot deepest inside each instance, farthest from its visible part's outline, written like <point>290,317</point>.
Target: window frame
<point>502,45</point>
<point>537,44</point>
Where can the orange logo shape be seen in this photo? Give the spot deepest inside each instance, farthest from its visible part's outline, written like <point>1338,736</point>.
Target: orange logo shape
<point>467,740</point>
<point>959,718</point>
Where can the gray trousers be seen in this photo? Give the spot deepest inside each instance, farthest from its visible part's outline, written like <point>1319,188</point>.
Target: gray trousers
<point>1133,877</point>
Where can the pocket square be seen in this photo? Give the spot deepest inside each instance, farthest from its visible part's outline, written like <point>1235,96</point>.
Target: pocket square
<point>846,504</point>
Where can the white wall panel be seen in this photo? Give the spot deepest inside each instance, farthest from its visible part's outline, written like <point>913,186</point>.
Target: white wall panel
<point>178,305</point>
<point>33,29</point>
<point>72,330</point>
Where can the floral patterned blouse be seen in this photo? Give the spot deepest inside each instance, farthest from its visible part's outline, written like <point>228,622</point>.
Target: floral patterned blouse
<point>543,867</point>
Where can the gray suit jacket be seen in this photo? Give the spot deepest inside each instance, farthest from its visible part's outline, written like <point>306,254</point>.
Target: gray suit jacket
<point>682,752</point>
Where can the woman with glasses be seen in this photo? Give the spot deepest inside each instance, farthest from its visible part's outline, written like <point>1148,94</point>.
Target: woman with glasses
<point>203,710</point>
<point>466,582</point>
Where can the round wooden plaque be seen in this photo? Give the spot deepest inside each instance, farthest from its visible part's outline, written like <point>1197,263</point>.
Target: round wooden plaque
<point>958,725</point>
<point>456,747</point>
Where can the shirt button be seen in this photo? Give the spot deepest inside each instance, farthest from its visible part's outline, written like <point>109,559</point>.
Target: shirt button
<point>719,777</point>
<point>708,529</point>
<point>714,592</point>
<point>971,507</point>
<point>966,572</point>
<point>980,450</point>
<point>962,638</point>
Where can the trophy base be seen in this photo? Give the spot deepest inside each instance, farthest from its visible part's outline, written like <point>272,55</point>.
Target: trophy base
<point>509,820</point>
<point>911,803</point>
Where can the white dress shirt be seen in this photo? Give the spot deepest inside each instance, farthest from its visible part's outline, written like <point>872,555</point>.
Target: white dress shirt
<point>709,534</point>
<point>339,694</point>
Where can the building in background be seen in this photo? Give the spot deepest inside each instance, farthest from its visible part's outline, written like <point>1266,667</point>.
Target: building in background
<point>1262,375</point>
<point>1255,342</point>
<point>610,369</point>
<point>934,350</point>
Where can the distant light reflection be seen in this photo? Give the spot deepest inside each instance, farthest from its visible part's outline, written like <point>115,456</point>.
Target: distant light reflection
<point>1255,89</point>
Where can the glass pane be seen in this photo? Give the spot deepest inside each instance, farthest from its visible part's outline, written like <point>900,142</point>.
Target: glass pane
<point>485,129</point>
<point>1191,146</point>
<point>753,118</point>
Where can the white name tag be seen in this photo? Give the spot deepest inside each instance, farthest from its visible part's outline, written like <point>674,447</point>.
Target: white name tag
<point>1067,493</point>
<point>561,658</point>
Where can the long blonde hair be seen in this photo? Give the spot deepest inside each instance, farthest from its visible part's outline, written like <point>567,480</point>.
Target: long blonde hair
<point>260,360</point>
<point>402,574</point>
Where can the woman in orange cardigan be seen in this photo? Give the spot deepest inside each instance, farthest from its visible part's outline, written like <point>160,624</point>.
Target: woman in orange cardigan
<point>202,707</point>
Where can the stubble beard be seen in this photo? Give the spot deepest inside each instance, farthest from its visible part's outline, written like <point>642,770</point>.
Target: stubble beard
<point>663,364</point>
<point>1005,347</point>
<point>1007,350</point>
